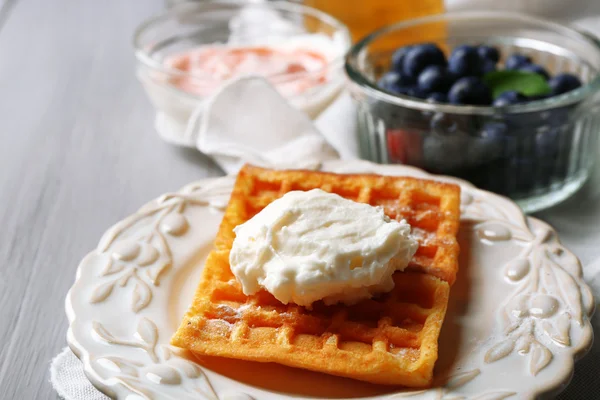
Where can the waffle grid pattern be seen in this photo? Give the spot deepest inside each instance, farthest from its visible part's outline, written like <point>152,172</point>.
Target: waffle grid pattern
<point>391,339</point>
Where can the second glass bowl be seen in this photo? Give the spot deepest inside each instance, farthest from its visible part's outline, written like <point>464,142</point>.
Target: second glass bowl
<point>537,153</point>
<point>235,24</point>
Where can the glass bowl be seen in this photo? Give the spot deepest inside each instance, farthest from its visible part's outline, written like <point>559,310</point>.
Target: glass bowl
<point>189,26</point>
<point>538,153</point>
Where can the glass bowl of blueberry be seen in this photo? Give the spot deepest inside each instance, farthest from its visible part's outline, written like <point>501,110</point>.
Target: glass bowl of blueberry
<point>506,101</point>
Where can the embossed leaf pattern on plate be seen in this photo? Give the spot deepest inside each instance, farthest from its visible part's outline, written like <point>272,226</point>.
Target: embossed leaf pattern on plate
<point>446,392</point>
<point>531,315</point>
<point>166,367</point>
<point>138,262</point>
<point>548,300</point>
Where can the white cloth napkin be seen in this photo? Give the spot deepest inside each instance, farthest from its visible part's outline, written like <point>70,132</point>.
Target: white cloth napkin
<point>69,380</point>
<point>248,121</point>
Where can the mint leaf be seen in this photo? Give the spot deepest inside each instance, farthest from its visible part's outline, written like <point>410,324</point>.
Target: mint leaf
<point>527,83</point>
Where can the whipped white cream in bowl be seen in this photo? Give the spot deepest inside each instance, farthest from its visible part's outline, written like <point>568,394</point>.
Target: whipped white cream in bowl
<point>315,245</point>
<point>192,50</point>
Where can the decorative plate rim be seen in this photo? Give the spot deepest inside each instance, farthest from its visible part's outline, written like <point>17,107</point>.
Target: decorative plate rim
<point>540,355</point>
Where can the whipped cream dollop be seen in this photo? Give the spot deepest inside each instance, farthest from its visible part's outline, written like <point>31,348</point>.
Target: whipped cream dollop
<point>315,245</point>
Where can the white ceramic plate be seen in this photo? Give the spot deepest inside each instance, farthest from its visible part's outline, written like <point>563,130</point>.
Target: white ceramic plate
<point>518,314</point>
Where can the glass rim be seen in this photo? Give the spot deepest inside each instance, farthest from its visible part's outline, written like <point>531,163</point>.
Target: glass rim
<point>144,58</point>
<point>357,78</point>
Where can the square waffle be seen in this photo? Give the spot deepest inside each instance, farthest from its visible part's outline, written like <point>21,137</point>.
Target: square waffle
<point>391,339</point>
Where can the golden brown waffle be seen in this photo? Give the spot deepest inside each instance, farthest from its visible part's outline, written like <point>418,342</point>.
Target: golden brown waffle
<point>391,339</point>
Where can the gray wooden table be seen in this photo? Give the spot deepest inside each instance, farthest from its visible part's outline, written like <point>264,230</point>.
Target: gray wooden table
<point>79,152</point>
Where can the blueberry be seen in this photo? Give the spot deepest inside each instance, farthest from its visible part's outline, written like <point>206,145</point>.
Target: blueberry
<point>563,83</point>
<point>411,91</point>
<point>546,143</point>
<point>392,81</point>
<point>444,154</point>
<point>508,98</point>
<point>488,145</point>
<point>401,90</point>
<point>464,61</point>
<point>490,142</point>
<point>488,53</point>
<point>388,80</point>
<point>488,66</point>
<point>437,97</point>
<point>398,57</point>
<point>536,69</point>
<point>560,117</point>
<point>470,90</point>
<point>494,131</point>
<point>421,56</point>
<point>443,124</point>
<point>434,78</point>
<point>414,91</point>
<point>523,173</point>
<point>517,61</point>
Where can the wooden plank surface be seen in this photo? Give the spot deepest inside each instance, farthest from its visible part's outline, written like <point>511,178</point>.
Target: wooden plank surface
<point>79,152</point>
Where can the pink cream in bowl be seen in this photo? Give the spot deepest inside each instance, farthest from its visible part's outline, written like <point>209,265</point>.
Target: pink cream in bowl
<point>188,53</point>
<point>209,67</point>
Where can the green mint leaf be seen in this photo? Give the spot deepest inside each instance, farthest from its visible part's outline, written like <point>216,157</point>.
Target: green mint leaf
<point>527,83</point>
